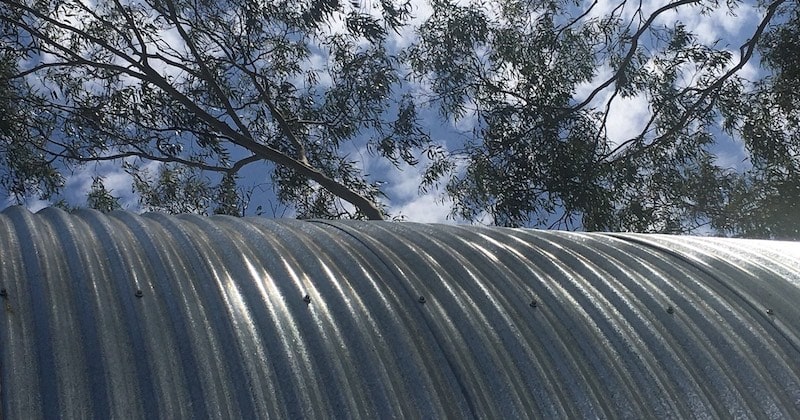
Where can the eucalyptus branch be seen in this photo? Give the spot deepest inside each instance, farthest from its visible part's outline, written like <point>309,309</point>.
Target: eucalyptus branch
<point>133,27</point>
<point>139,69</point>
<point>208,76</point>
<point>746,49</point>
<point>634,44</point>
<point>282,122</point>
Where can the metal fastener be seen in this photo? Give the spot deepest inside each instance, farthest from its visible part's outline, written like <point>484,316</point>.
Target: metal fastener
<point>534,304</point>
<point>139,293</point>
<point>670,310</point>
<point>422,299</point>
<point>3,293</point>
<point>769,311</point>
<point>307,299</point>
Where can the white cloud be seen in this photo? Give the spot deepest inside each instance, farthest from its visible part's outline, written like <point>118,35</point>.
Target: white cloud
<point>421,10</point>
<point>627,118</point>
<point>424,209</point>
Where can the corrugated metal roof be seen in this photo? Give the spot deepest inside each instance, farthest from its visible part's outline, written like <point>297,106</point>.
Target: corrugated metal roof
<point>129,316</point>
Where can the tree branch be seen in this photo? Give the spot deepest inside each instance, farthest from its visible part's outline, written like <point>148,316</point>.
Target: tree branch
<point>147,74</point>
<point>631,52</point>
<point>746,49</point>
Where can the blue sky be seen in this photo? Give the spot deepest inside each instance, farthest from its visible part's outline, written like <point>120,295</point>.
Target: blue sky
<point>401,185</point>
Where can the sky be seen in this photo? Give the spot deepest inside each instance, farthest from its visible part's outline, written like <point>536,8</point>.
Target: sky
<point>627,116</point>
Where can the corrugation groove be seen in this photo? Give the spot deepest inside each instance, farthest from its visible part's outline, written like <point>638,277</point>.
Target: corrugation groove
<point>169,332</point>
<point>71,241</point>
<point>602,293</point>
<point>669,271</point>
<point>744,331</point>
<point>41,343</point>
<point>638,291</point>
<point>515,323</point>
<point>764,340</point>
<point>318,329</point>
<point>409,272</point>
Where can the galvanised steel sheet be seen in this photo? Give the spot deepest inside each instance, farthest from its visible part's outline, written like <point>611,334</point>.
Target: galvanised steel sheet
<point>128,316</point>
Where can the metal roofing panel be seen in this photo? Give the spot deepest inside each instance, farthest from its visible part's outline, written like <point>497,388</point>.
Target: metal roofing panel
<point>131,316</point>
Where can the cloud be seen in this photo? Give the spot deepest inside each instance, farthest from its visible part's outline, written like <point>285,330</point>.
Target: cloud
<point>733,26</point>
<point>424,209</point>
<point>627,118</point>
<point>32,204</point>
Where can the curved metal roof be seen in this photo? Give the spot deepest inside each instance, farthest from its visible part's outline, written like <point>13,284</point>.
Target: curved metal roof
<point>128,316</point>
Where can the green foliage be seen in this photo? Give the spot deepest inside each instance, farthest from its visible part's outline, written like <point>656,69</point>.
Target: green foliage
<point>763,203</point>
<point>100,198</point>
<point>541,154</point>
<point>229,200</point>
<point>173,189</point>
<point>210,87</point>
<point>205,89</point>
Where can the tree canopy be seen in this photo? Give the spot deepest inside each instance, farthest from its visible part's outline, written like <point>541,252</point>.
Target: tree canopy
<point>186,95</point>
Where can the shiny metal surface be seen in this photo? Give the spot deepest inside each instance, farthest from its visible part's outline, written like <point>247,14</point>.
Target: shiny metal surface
<point>127,316</point>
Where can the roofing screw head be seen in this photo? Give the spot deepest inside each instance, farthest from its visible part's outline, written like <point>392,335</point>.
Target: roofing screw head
<point>3,293</point>
<point>769,311</point>
<point>534,304</point>
<point>139,294</point>
<point>670,310</point>
<point>307,299</point>
<point>422,299</point>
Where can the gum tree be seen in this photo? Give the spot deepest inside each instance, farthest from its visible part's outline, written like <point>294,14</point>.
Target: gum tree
<point>212,87</point>
<point>539,79</point>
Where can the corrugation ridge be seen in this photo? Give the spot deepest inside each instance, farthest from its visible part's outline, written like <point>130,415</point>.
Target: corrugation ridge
<point>112,273</point>
<point>778,302</point>
<point>213,342</point>
<point>222,330</point>
<point>330,361</point>
<point>70,233</point>
<point>526,272</point>
<point>713,304</point>
<point>320,365</point>
<point>305,273</point>
<point>673,268</point>
<point>463,314</point>
<point>158,324</point>
<point>419,238</point>
<point>576,397</point>
<point>588,338</point>
<point>215,261</point>
<point>403,275</point>
<point>646,299</point>
<point>747,317</point>
<point>428,265</point>
<point>48,374</point>
<point>281,336</point>
<point>786,277</point>
<point>615,307</point>
<point>508,315</point>
<point>473,247</point>
<point>346,300</point>
<point>722,363</point>
<point>20,382</point>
